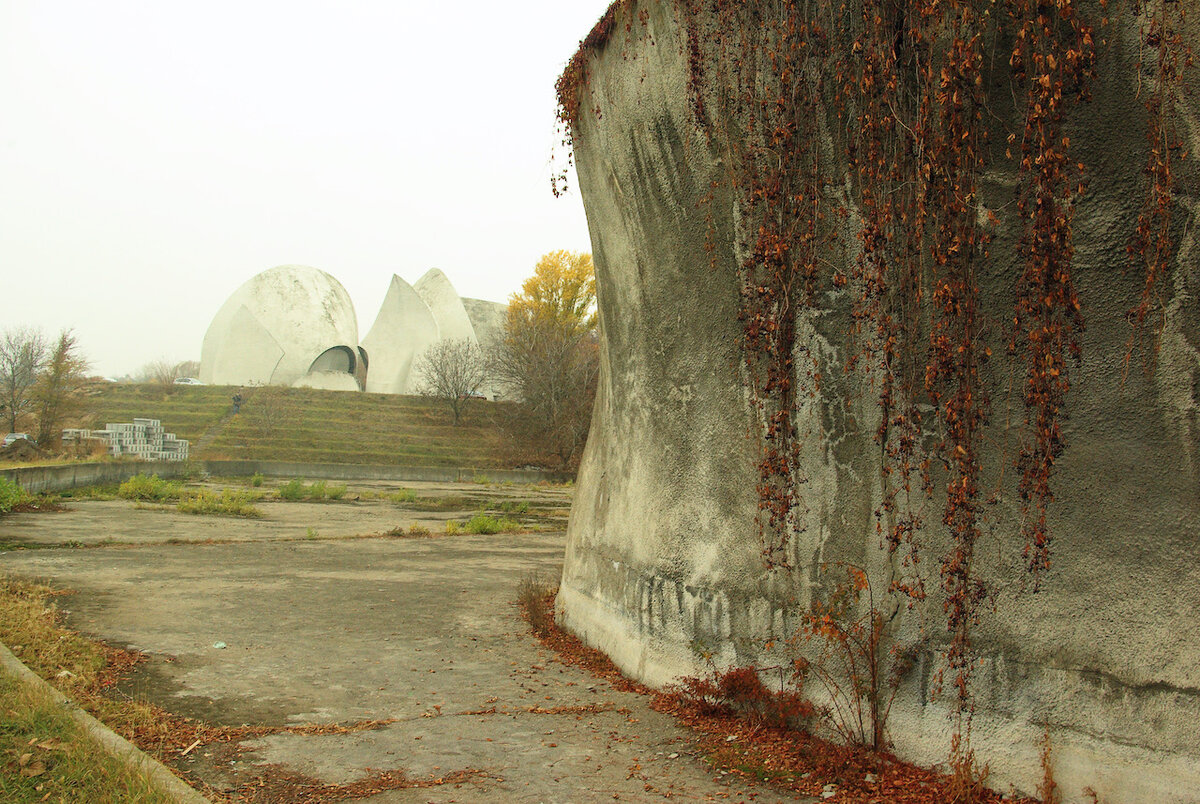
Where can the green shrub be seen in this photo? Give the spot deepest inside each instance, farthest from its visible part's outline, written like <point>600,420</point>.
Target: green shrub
<point>317,491</point>
<point>11,495</point>
<point>149,489</point>
<point>336,492</point>
<point>399,532</point>
<point>485,523</point>
<point>227,503</point>
<point>292,490</point>
<point>256,479</point>
<point>510,507</point>
<point>452,527</point>
<point>402,496</point>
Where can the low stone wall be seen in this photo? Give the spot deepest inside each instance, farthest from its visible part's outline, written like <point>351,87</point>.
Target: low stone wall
<point>350,471</point>
<point>41,479</point>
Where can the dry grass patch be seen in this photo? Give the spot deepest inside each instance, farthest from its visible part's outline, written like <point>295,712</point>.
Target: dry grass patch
<point>46,756</point>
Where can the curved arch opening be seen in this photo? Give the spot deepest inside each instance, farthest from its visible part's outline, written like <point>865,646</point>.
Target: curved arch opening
<point>338,358</point>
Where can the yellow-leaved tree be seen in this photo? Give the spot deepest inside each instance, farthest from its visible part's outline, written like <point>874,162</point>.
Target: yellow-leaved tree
<point>548,356</point>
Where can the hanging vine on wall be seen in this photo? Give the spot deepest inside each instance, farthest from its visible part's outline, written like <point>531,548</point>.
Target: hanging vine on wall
<point>891,122</point>
<point>1152,244</point>
<point>767,63</point>
<point>1053,56</point>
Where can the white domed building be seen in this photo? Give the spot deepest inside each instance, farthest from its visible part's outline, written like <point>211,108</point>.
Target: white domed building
<point>289,325</point>
<point>295,325</point>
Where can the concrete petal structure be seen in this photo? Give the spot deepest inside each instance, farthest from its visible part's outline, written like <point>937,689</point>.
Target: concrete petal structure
<point>404,328</point>
<point>446,306</point>
<point>279,327</point>
<point>487,318</point>
<point>663,561</point>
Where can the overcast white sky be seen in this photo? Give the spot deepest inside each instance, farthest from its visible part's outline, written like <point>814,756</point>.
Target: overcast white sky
<point>154,155</point>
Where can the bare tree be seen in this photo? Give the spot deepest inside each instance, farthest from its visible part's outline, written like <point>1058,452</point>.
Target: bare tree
<point>452,371</point>
<point>187,368</point>
<point>267,408</point>
<point>162,372</point>
<point>551,372</point>
<point>22,355</point>
<point>548,356</point>
<point>58,393</point>
<point>165,372</point>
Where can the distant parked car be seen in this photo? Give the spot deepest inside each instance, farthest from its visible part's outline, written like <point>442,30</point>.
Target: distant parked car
<point>188,381</point>
<point>12,437</point>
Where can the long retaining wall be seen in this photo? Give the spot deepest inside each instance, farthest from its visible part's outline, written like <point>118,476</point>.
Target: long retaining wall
<point>352,471</point>
<point>41,479</point>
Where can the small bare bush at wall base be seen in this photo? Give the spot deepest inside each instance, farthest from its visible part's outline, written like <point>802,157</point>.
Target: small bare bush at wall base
<point>533,596</point>
<point>741,691</point>
<point>860,676</point>
<point>968,781</point>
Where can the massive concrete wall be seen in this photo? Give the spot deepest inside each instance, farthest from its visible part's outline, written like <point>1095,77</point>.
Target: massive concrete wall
<point>663,562</point>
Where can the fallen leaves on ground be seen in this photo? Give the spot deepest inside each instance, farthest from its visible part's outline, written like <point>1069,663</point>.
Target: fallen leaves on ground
<point>783,758</point>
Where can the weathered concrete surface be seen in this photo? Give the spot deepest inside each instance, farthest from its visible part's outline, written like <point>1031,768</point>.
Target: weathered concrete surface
<point>274,327</point>
<point>487,318</point>
<point>324,630</point>
<point>662,560</point>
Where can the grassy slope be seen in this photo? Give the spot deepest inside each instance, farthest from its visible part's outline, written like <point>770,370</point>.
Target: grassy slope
<point>321,426</point>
